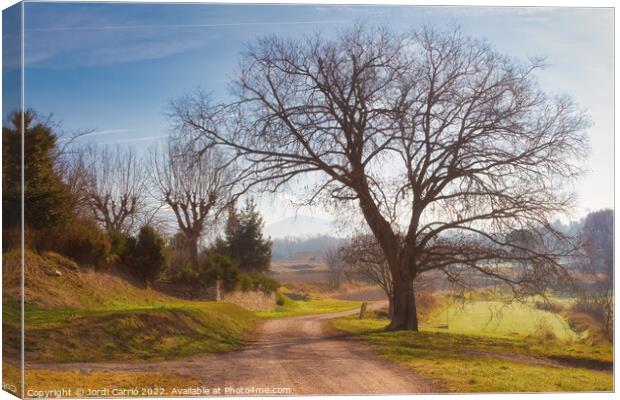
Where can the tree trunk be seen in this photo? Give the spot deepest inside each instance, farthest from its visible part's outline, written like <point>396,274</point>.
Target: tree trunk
<point>404,315</point>
<point>192,243</point>
<point>390,307</point>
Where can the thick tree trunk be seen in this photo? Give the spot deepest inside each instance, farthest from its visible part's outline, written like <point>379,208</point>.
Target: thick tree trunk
<point>400,261</point>
<point>404,314</point>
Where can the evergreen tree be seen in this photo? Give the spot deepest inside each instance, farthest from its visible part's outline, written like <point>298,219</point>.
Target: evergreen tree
<point>148,255</point>
<point>47,200</point>
<point>244,242</point>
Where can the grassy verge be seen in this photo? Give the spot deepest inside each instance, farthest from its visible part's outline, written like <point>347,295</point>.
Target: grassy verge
<point>469,363</point>
<point>314,305</point>
<point>160,331</point>
<point>148,383</point>
<point>80,315</point>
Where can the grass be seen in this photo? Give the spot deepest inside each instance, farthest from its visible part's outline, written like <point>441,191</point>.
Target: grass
<point>90,316</point>
<point>486,363</point>
<point>314,305</point>
<point>38,381</point>
<point>74,289</point>
<point>501,319</point>
<point>163,331</point>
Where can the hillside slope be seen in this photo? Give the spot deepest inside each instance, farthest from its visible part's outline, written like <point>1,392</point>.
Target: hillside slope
<point>75,315</point>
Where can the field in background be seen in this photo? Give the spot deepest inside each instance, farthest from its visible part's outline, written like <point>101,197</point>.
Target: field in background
<point>308,268</point>
<point>312,305</point>
<point>498,318</point>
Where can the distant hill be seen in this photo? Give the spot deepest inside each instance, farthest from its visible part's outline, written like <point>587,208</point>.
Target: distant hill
<point>289,248</point>
<point>300,226</point>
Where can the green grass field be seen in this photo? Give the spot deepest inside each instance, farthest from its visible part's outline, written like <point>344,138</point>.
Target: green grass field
<point>501,319</point>
<point>458,362</point>
<point>314,305</point>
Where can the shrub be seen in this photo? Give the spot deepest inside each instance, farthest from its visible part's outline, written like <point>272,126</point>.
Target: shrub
<point>186,273</point>
<point>218,266</point>
<point>280,299</point>
<point>149,254</point>
<point>256,281</point>
<point>80,239</point>
<point>118,243</point>
<point>594,315</point>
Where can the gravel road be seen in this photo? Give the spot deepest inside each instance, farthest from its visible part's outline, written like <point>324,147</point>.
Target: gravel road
<point>303,355</point>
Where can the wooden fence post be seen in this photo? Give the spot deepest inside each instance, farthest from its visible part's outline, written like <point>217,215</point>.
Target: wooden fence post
<point>363,310</point>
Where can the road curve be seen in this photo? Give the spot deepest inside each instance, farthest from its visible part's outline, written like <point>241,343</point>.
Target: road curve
<point>303,355</point>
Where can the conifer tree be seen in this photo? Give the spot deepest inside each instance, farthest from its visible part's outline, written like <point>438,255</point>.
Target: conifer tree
<point>244,242</point>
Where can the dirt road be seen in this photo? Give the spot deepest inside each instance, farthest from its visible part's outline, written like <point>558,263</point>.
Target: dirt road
<point>301,354</point>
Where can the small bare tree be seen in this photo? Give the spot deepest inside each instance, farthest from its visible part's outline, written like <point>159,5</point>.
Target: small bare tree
<point>335,265</point>
<point>197,188</point>
<point>441,143</point>
<point>71,164</point>
<point>596,286</point>
<point>365,260</point>
<point>116,186</point>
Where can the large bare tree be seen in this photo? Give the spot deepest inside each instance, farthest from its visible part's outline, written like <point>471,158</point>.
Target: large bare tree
<point>196,188</point>
<point>115,186</point>
<point>442,144</point>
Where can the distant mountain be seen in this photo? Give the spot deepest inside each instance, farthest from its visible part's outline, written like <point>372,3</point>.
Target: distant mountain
<point>300,226</point>
<point>304,248</point>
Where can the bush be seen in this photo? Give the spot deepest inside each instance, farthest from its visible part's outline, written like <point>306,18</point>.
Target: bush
<point>185,273</point>
<point>256,281</point>
<point>82,240</point>
<point>148,256</point>
<point>218,266</point>
<point>280,299</point>
<point>599,312</point>
<point>118,242</point>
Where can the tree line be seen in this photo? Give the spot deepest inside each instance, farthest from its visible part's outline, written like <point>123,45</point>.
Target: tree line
<point>102,206</point>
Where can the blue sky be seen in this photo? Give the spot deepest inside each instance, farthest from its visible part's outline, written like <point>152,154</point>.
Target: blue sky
<point>114,67</point>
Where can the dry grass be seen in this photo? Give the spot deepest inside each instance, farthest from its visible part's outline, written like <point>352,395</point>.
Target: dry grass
<point>125,384</point>
<point>588,325</point>
<point>324,289</point>
<point>74,288</point>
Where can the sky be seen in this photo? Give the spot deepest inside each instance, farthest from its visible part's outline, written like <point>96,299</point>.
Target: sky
<point>114,68</point>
